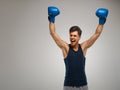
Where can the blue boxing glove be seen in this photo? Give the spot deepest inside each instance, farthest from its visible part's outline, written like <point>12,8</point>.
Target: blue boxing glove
<point>102,13</point>
<point>52,13</point>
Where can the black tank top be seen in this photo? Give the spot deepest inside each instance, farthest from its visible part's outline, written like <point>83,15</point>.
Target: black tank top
<point>75,68</point>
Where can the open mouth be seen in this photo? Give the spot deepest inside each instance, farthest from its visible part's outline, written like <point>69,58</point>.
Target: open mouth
<point>73,41</point>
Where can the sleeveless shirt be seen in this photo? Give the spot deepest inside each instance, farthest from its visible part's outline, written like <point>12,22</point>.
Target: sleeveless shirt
<point>75,68</point>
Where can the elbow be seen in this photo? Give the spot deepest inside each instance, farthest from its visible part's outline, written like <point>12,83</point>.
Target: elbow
<point>52,33</point>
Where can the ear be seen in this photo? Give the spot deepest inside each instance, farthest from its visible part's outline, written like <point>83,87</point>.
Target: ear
<point>79,37</point>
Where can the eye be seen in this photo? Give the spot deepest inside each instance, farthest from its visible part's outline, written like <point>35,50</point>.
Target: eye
<point>75,36</point>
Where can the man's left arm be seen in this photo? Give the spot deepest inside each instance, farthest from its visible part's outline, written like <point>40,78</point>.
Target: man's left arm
<point>102,15</point>
<point>88,43</point>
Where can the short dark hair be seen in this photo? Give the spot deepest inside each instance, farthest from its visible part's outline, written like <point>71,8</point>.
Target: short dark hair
<point>76,28</point>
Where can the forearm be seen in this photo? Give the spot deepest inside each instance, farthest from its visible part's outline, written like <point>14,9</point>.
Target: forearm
<point>99,29</point>
<point>51,28</point>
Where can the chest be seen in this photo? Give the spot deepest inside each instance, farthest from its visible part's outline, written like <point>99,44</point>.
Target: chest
<point>75,57</point>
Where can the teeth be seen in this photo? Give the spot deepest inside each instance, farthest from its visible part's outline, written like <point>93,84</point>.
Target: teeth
<point>73,40</point>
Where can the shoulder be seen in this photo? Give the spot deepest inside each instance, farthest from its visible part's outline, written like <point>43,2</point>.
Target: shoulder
<point>83,47</point>
<point>65,50</point>
<point>83,44</point>
<point>65,45</point>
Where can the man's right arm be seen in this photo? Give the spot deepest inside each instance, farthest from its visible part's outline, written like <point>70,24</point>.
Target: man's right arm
<point>55,36</point>
<point>53,12</point>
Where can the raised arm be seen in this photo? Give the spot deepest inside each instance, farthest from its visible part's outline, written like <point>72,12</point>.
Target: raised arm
<point>55,36</point>
<point>53,12</point>
<point>102,14</point>
<point>88,43</point>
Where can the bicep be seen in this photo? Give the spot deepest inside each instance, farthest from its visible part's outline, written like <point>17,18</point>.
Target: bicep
<point>88,43</point>
<point>58,40</point>
<point>92,40</point>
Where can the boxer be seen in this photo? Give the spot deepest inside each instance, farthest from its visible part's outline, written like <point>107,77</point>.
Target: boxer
<point>75,52</point>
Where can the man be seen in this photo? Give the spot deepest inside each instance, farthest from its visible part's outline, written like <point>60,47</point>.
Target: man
<point>74,53</point>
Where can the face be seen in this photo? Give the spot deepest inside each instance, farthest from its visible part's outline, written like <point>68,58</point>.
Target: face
<point>74,38</point>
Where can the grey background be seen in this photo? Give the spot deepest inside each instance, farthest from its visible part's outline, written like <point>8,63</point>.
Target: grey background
<point>29,58</point>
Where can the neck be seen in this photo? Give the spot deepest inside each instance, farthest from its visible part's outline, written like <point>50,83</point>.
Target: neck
<point>75,47</point>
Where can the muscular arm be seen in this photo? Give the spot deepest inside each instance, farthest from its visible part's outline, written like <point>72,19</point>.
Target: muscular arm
<point>62,44</point>
<point>102,14</point>
<point>88,43</point>
<point>55,36</point>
